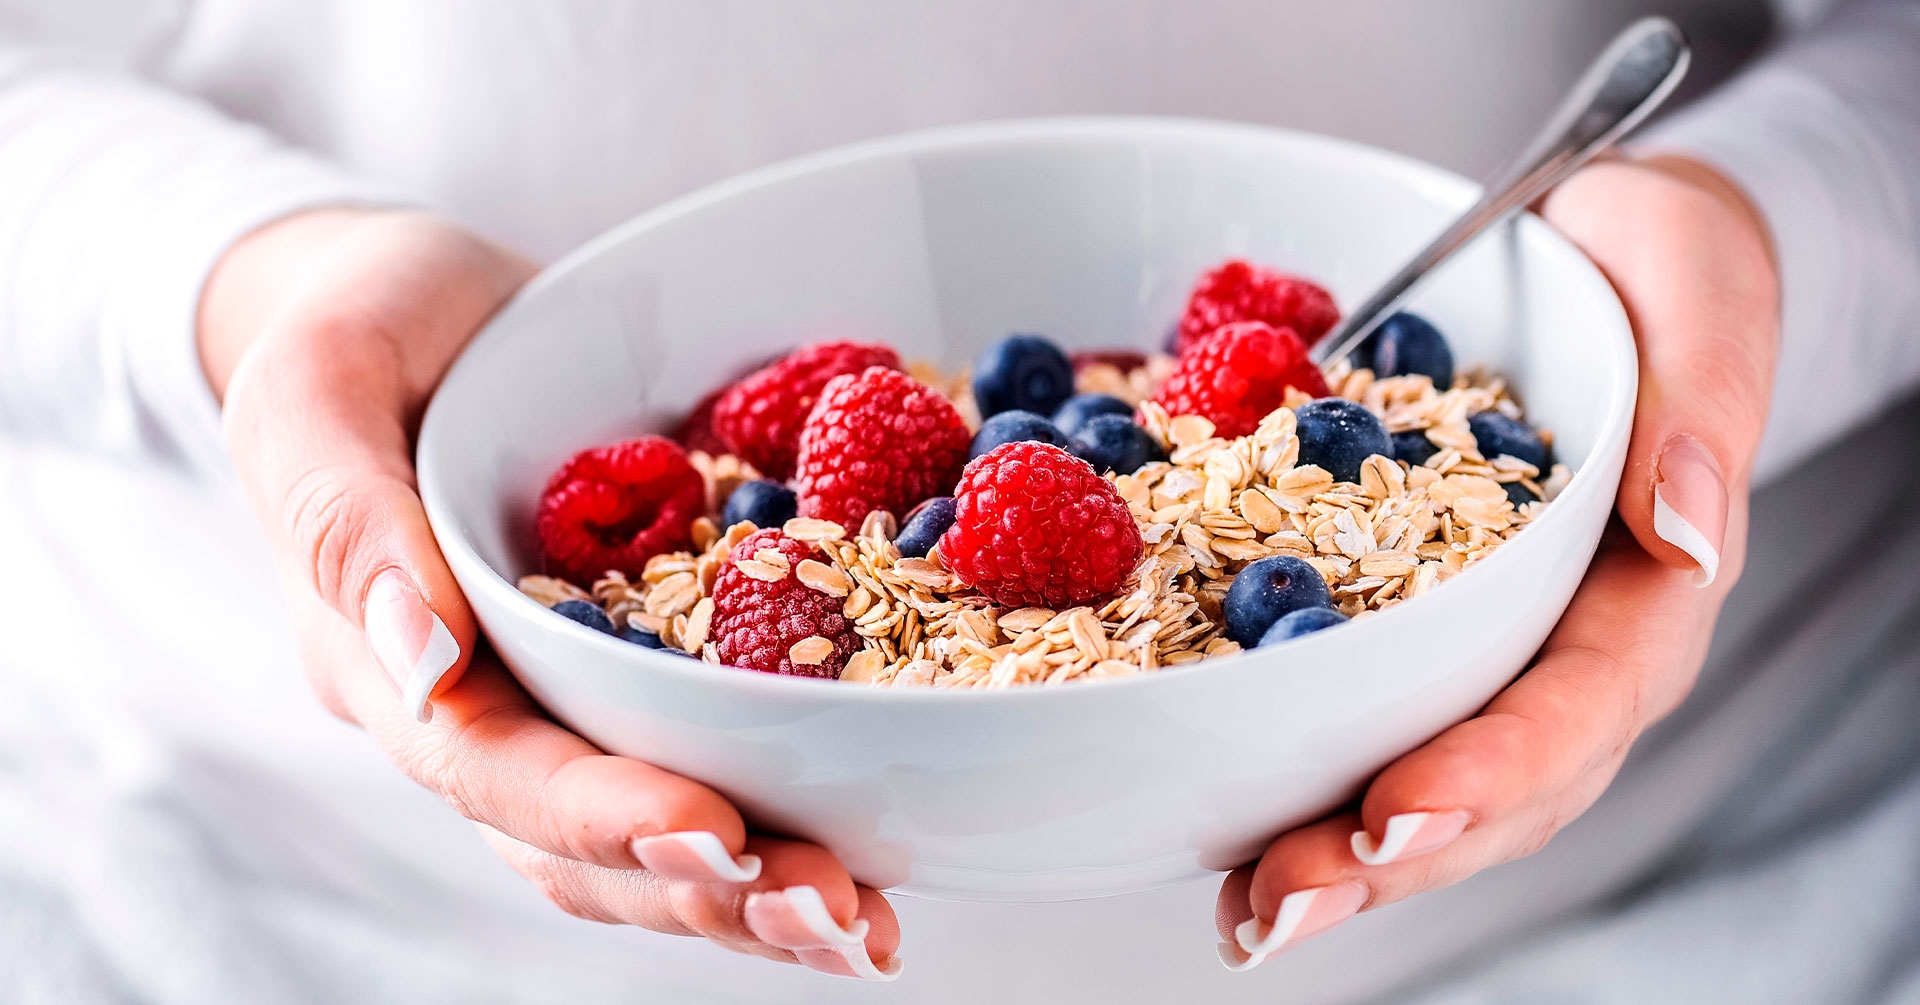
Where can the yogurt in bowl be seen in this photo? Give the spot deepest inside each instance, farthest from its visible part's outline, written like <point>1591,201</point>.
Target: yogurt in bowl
<point>940,243</point>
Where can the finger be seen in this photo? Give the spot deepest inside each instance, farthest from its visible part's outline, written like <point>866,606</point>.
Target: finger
<point>319,418</point>
<point>1701,301</point>
<point>493,757</point>
<point>1496,787</point>
<point>808,904</point>
<point>803,908</point>
<point>1623,655</point>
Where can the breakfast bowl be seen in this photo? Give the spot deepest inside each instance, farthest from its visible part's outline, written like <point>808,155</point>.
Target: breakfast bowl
<point>939,243</point>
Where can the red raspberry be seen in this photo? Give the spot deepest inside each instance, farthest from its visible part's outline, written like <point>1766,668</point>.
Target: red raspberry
<point>756,623</point>
<point>1034,526</point>
<point>1123,360</point>
<point>1240,291</point>
<point>760,417</point>
<point>695,432</point>
<point>877,440</point>
<point>615,507</point>
<point>1239,375</point>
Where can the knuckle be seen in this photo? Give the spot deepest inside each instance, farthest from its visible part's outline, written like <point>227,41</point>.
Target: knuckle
<point>711,915</point>
<point>561,886</point>
<point>329,524</point>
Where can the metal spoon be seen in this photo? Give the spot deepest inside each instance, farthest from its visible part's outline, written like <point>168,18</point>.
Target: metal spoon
<point>1622,87</point>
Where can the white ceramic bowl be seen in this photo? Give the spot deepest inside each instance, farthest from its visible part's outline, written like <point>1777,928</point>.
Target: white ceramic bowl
<point>1090,231</point>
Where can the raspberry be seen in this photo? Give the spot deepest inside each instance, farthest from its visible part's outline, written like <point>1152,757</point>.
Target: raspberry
<point>877,440</point>
<point>761,416</point>
<point>1123,360</point>
<point>615,507</point>
<point>1241,291</point>
<point>756,623</point>
<point>1239,375</point>
<point>1035,527</point>
<point>695,432</point>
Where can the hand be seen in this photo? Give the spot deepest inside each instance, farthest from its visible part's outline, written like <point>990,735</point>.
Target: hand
<point>1689,258</point>
<point>325,333</point>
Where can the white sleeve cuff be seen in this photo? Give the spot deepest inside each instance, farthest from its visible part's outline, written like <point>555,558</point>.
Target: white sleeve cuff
<point>1823,137</point>
<point>121,199</point>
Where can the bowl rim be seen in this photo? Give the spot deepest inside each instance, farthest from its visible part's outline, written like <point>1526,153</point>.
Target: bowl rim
<point>1412,172</point>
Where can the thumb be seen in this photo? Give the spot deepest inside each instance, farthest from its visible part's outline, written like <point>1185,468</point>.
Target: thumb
<point>319,415</point>
<point>1689,258</point>
<point>329,470</point>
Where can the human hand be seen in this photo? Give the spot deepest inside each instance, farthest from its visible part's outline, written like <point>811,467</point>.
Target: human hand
<point>1689,258</point>
<point>325,334</point>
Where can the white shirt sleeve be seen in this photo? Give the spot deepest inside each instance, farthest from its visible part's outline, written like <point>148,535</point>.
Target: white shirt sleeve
<point>117,198</point>
<point>1824,136</point>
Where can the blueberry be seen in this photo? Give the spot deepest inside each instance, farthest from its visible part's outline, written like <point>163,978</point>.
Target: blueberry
<point>586,613</point>
<point>1413,447</point>
<point>1021,371</point>
<point>1407,343</point>
<point>1496,433</point>
<point>642,637</point>
<point>1268,590</point>
<point>924,526</point>
<point>1304,621</point>
<point>1116,443</point>
<point>1519,494</point>
<point>1339,435</point>
<point>764,503</point>
<point>1012,427</point>
<point>1081,409</point>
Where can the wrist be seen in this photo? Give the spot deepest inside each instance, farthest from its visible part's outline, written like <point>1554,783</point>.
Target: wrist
<point>256,275</point>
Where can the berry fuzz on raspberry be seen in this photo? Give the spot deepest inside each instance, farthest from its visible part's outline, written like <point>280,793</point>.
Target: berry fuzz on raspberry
<point>877,440</point>
<point>756,623</point>
<point>615,507</point>
<point>1239,375</point>
<point>760,417</point>
<point>1241,291</point>
<point>1035,526</point>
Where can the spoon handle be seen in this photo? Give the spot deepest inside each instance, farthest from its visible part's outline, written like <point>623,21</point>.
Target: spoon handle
<point>1622,87</point>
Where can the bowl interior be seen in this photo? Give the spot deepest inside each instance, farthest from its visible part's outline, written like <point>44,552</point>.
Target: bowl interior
<point>1089,231</point>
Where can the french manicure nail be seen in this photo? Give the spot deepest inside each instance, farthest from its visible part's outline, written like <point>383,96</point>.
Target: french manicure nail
<point>1303,913</point>
<point>797,918</point>
<point>699,856</point>
<point>1690,504</point>
<point>409,641</point>
<point>1409,834</point>
<point>849,963</point>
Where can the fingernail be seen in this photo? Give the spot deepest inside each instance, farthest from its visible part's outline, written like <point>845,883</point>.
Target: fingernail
<point>797,918</point>
<point>1302,914</point>
<point>1409,834</point>
<point>409,641</point>
<point>1690,504</point>
<point>699,856</point>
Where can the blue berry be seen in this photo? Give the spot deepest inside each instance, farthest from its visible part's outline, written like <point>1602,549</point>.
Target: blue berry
<point>1496,433</point>
<point>1339,435</point>
<point>1021,371</point>
<point>1413,447</point>
<point>1117,444</point>
<point>642,637</point>
<point>585,613</point>
<point>1013,427</point>
<point>1081,409</point>
<point>924,526</point>
<point>1304,621</point>
<point>763,503</point>
<point>1268,590</point>
<point>1407,343</point>
<point>1518,494</point>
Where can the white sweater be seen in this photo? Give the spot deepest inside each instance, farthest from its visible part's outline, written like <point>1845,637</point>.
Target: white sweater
<point>179,822</point>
